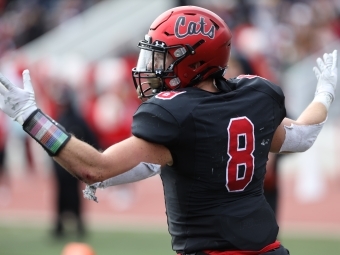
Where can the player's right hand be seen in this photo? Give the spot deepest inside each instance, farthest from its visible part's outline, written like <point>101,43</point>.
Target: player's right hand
<point>326,73</point>
<point>90,191</point>
<point>17,103</point>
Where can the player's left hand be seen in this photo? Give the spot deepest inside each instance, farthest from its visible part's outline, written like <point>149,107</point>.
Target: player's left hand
<point>17,103</point>
<point>326,73</point>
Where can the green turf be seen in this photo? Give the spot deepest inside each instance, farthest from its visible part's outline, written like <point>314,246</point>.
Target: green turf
<point>30,241</point>
<point>312,246</point>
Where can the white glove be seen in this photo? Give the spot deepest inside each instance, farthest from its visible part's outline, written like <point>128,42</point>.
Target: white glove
<point>17,103</point>
<point>90,191</point>
<point>327,75</point>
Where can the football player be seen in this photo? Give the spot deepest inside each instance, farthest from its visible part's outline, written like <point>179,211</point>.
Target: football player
<point>208,137</point>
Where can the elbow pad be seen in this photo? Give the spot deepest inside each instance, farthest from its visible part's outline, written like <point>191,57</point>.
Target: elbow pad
<point>300,138</point>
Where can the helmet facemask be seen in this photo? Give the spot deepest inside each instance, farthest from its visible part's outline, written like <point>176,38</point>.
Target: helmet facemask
<point>155,67</point>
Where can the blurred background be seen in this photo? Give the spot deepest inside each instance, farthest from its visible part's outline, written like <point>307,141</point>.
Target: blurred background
<point>80,54</point>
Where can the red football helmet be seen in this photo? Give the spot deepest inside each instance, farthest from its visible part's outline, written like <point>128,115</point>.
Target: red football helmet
<point>195,40</point>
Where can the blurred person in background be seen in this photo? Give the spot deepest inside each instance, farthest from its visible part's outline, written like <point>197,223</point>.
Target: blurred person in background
<point>23,21</point>
<point>114,102</point>
<point>4,178</point>
<point>68,198</point>
<point>212,179</point>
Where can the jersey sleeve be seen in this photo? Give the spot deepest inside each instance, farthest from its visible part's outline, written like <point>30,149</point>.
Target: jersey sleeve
<point>153,123</point>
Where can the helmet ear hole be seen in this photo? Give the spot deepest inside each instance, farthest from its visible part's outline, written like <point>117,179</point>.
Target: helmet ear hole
<point>196,65</point>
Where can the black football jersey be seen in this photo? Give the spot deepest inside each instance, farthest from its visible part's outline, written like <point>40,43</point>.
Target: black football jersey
<point>220,144</point>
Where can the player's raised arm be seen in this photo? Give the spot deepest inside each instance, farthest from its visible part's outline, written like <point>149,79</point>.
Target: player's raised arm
<point>299,135</point>
<point>79,158</point>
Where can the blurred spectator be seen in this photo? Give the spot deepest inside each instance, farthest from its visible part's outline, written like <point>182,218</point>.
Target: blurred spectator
<point>68,199</point>
<point>114,102</point>
<point>22,21</point>
<point>4,180</point>
<point>3,139</point>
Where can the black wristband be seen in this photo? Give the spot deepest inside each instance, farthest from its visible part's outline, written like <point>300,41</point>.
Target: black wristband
<point>51,135</point>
